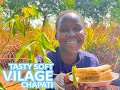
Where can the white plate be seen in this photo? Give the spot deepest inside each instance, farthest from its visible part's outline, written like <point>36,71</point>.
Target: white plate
<point>98,84</point>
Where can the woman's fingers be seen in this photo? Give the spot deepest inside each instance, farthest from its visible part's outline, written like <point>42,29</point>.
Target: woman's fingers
<point>66,79</point>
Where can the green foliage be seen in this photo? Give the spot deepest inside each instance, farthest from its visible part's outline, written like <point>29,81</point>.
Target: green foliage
<point>2,87</point>
<point>97,9</point>
<point>42,89</point>
<point>1,68</point>
<point>118,41</point>
<point>96,36</point>
<point>75,82</point>
<point>66,5</point>
<point>115,11</point>
<point>16,25</point>
<point>20,52</point>
<point>88,44</point>
<point>14,6</point>
<point>46,8</point>
<point>41,43</point>
<point>30,10</point>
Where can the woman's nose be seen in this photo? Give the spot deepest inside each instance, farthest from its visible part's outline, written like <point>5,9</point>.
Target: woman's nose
<point>71,33</point>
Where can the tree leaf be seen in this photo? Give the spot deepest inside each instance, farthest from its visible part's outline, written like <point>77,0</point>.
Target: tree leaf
<point>20,53</point>
<point>46,43</point>
<point>1,69</point>
<point>32,11</point>
<point>42,89</point>
<point>26,12</point>
<point>21,27</point>
<point>46,59</point>
<point>29,53</point>
<point>34,60</point>
<point>14,27</point>
<point>29,5</point>
<point>44,38</point>
<point>49,46</point>
<point>42,50</point>
<point>2,87</point>
<point>36,13</point>
<point>8,19</point>
<point>31,43</point>
<point>74,76</point>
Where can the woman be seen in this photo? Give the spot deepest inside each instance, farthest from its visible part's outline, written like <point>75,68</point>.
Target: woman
<point>70,35</point>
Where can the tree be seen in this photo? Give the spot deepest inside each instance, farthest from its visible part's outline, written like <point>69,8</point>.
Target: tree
<point>95,9</point>
<point>48,8</point>
<point>115,11</point>
<point>12,7</point>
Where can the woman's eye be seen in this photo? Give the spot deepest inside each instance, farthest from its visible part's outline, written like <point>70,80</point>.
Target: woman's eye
<point>64,30</point>
<point>77,29</point>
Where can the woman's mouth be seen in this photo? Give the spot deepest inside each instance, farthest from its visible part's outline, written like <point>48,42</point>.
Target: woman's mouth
<point>72,41</point>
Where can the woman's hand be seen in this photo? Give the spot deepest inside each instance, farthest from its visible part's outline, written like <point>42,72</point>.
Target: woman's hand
<point>69,85</point>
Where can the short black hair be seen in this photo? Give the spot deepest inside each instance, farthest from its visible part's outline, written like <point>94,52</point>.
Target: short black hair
<point>69,11</point>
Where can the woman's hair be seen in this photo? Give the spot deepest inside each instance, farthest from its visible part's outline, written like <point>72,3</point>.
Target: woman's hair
<point>69,11</point>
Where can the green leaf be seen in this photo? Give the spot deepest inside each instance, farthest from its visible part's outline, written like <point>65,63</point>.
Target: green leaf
<point>47,43</point>
<point>32,89</point>
<point>17,25</point>
<point>19,53</point>
<point>8,20</point>
<point>31,43</point>
<point>29,52</point>
<point>42,49</point>
<point>74,76</point>
<point>21,27</point>
<point>42,89</point>
<point>30,5</point>
<point>49,46</point>
<point>14,27</point>
<point>36,13</point>
<point>34,60</point>
<point>1,69</point>
<point>38,37</point>
<point>44,38</point>
<point>46,59</point>
<point>69,1</point>
<point>2,87</point>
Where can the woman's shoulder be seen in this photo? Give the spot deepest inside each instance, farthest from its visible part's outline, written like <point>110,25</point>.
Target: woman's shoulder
<point>87,54</point>
<point>89,59</point>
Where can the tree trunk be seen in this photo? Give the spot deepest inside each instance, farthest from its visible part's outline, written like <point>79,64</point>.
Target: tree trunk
<point>45,18</point>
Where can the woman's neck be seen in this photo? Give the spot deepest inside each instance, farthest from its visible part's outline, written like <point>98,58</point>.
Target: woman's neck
<point>68,57</point>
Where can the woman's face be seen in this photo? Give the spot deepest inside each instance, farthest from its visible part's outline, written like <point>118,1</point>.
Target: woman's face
<point>70,33</point>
